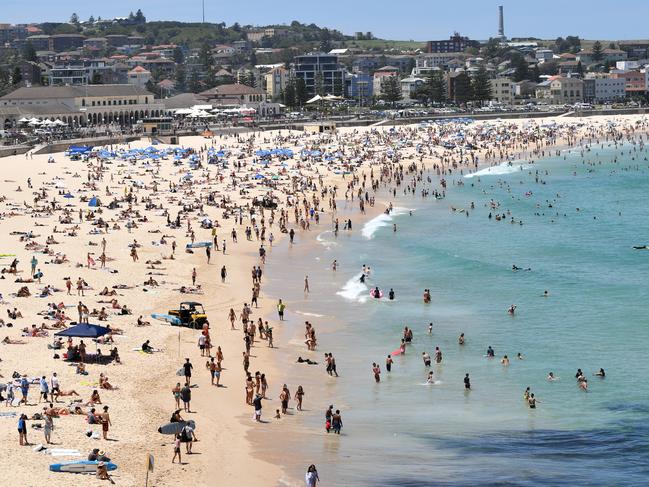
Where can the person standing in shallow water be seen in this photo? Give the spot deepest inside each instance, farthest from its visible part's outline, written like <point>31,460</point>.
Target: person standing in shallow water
<point>376,370</point>
<point>336,422</point>
<point>311,477</point>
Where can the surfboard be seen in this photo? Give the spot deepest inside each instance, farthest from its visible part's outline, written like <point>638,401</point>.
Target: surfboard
<point>198,245</point>
<point>173,320</point>
<point>175,428</point>
<point>396,352</point>
<point>80,466</point>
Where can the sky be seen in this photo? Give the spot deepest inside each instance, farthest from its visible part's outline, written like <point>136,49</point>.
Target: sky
<point>411,20</point>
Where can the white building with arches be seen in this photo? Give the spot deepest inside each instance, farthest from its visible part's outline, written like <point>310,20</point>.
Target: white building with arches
<point>80,105</point>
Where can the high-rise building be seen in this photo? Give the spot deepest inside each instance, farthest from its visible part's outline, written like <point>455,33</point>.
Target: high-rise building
<point>322,73</point>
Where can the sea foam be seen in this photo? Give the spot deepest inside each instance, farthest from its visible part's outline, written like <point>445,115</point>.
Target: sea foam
<point>354,289</point>
<point>501,169</point>
<point>383,220</point>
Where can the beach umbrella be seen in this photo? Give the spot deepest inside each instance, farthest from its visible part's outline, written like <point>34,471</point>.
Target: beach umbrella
<point>84,330</point>
<point>68,195</point>
<point>93,201</point>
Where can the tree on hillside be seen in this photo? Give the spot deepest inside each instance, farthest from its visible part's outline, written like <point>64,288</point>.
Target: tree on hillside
<point>74,19</point>
<point>179,57</point>
<point>521,68</point>
<point>205,56</point>
<point>17,76</point>
<point>319,84</point>
<point>181,78</point>
<point>288,96</point>
<point>325,40</point>
<point>301,95</point>
<point>463,90</point>
<point>535,74</point>
<point>29,53</point>
<point>391,89</point>
<point>436,87</point>
<point>480,86</point>
<point>139,17</point>
<point>338,87</point>
<point>194,83</point>
<point>248,79</point>
<point>492,48</point>
<point>598,54</point>
<point>91,19</point>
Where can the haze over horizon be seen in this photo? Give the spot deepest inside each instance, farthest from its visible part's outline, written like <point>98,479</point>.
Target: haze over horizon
<point>424,21</point>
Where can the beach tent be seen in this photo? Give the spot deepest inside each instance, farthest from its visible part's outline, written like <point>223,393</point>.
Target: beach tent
<point>314,99</point>
<point>79,149</point>
<point>84,330</point>
<point>93,201</point>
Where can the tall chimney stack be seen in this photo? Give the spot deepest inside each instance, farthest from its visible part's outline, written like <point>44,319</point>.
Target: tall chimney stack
<point>501,22</point>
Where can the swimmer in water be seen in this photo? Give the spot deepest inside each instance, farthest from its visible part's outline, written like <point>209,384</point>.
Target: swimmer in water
<point>504,360</point>
<point>391,294</point>
<point>552,377</point>
<point>519,356</point>
<point>430,380</point>
<point>460,340</point>
<point>430,328</point>
<point>426,359</point>
<point>376,293</point>
<point>512,309</point>
<point>532,401</point>
<point>490,352</point>
<point>526,394</point>
<point>600,373</point>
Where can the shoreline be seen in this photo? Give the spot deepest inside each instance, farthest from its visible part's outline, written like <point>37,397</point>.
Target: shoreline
<point>232,447</point>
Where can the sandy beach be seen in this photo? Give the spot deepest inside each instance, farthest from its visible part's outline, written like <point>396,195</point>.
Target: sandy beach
<point>153,190</point>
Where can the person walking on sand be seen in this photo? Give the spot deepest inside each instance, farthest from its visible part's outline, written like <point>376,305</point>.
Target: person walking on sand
<point>280,310</point>
<point>306,284</point>
<point>299,396</point>
<point>187,369</point>
<point>224,274</point>
<point>105,422</point>
<point>186,396</point>
<point>194,276</point>
<point>284,397</point>
<point>177,450</point>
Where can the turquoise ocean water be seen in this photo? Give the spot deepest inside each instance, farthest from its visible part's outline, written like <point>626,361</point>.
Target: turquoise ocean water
<point>581,214</point>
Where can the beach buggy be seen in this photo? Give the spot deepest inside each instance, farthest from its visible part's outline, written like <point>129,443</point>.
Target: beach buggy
<point>190,313</point>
